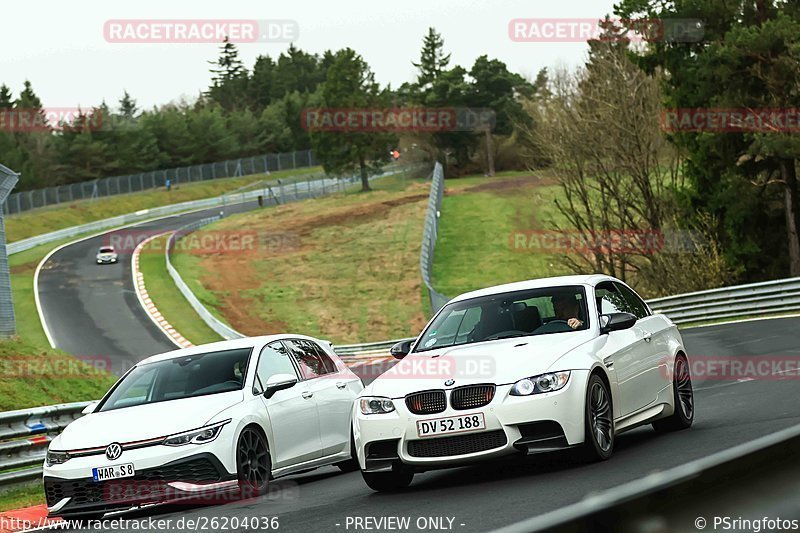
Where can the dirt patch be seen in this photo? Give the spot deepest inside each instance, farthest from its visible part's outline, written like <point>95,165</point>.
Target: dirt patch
<point>505,186</point>
<point>229,276</point>
<point>27,268</point>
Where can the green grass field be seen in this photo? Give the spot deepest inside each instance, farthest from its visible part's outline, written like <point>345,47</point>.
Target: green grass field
<point>44,220</point>
<point>166,296</point>
<point>344,267</point>
<point>478,221</point>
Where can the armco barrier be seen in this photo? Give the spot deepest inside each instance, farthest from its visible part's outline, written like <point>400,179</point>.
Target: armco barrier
<point>21,458</point>
<point>429,234</point>
<point>266,190</point>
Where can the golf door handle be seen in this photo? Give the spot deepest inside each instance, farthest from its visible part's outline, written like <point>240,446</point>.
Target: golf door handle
<point>609,363</point>
<point>308,394</point>
<point>341,385</point>
<point>648,337</point>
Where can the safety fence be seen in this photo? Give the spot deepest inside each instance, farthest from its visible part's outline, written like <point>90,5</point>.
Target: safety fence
<point>429,234</point>
<point>286,186</point>
<point>85,190</point>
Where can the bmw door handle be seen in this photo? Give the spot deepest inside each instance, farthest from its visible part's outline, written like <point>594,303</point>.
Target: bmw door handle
<point>341,385</point>
<point>648,337</point>
<point>308,394</point>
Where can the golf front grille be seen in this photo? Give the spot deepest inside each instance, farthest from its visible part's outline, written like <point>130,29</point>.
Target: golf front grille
<point>460,445</point>
<point>471,396</point>
<point>426,403</point>
<point>150,483</point>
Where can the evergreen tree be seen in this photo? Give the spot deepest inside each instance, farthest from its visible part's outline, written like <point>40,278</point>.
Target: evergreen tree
<point>432,61</point>
<point>229,78</point>
<point>127,106</point>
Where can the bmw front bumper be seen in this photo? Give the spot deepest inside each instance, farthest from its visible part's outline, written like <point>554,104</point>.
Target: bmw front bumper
<point>514,425</point>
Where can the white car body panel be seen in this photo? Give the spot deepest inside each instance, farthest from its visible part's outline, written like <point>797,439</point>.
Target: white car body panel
<point>633,361</point>
<point>300,434</point>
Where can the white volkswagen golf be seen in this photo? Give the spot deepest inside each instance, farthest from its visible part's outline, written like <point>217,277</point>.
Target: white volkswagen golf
<point>213,419</point>
<point>524,368</point>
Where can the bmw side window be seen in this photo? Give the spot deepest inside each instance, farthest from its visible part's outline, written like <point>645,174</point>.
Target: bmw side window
<point>274,359</point>
<point>636,303</point>
<point>310,364</point>
<point>611,300</point>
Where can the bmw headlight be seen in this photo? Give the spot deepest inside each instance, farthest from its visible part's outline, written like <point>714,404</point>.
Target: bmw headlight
<point>56,458</point>
<point>549,382</point>
<point>197,436</point>
<point>376,406</point>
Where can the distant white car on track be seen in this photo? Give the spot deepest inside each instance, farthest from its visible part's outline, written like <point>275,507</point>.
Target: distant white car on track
<point>106,255</point>
<point>523,368</point>
<point>213,419</point>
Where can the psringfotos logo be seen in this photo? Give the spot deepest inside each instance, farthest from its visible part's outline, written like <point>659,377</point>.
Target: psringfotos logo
<point>197,31</point>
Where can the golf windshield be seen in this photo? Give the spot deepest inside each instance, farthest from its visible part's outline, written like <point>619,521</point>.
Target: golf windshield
<point>507,315</point>
<point>180,377</point>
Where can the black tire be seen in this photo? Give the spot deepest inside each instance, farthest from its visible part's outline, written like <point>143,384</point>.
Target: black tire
<point>396,480</point>
<point>683,396</point>
<point>351,465</point>
<point>599,422</point>
<point>253,463</point>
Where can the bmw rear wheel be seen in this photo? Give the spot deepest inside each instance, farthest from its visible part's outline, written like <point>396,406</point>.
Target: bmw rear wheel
<point>683,397</point>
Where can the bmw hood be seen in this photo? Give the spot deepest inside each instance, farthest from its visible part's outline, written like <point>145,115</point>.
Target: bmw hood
<point>500,362</point>
<point>144,421</point>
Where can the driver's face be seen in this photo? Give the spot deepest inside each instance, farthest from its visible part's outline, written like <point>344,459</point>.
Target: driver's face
<point>565,309</point>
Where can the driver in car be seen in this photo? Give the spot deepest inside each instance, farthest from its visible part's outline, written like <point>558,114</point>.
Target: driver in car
<point>566,307</point>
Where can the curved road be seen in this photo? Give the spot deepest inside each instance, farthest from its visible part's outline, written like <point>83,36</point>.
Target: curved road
<point>91,310</point>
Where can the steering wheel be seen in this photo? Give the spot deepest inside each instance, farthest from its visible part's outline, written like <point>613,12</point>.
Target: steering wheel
<point>561,326</point>
<point>494,336</point>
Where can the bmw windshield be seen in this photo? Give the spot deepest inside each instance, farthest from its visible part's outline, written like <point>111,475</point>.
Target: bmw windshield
<point>180,377</point>
<point>507,315</point>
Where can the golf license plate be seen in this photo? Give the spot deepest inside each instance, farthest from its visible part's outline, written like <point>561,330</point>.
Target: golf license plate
<point>451,424</point>
<point>102,473</point>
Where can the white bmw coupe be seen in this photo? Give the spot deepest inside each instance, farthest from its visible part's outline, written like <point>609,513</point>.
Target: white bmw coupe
<point>523,368</point>
<point>213,419</point>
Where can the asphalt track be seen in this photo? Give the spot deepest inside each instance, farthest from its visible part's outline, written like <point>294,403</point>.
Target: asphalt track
<point>92,310</point>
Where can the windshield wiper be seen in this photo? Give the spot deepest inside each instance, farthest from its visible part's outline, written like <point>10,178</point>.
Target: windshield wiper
<point>510,336</point>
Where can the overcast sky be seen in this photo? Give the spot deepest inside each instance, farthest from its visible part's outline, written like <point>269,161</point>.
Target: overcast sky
<point>60,46</point>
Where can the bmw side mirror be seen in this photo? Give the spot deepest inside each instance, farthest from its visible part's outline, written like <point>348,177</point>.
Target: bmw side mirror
<point>90,408</point>
<point>279,382</point>
<point>616,321</point>
<point>401,349</point>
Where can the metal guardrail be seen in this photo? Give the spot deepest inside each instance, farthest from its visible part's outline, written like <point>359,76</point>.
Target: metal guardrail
<point>86,190</point>
<point>751,300</point>
<point>25,435</point>
<point>429,234</point>
<point>145,214</point>
<point>8,323</point>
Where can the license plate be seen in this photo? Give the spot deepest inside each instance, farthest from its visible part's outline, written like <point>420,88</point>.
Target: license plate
<point>452,424</point>
<point>103,473</point>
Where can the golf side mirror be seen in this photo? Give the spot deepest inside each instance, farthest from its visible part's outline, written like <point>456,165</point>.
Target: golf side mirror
<point>279,382</point>
<point>90,408</point>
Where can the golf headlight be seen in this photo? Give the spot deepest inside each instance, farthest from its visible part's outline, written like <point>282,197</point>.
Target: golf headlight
<point>376,406</point>
<point>197,436</point>
<point>540,384</point>
<point>56,458</point>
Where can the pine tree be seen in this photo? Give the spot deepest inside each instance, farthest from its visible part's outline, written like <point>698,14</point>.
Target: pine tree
<point>6,98</point>
<point>432,60</point>
<point>127,106</point>
<point>229,78</point>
